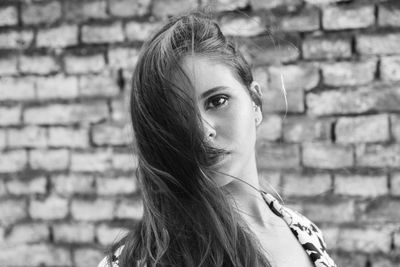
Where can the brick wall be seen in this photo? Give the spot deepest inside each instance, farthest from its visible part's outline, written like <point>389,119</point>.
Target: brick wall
<point>66,167</point>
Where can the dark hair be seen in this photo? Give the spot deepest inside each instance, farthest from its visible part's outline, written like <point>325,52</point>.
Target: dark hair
<point>187,220</point>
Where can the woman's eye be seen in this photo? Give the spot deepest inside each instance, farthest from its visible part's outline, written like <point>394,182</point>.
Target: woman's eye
<point>217,101</point>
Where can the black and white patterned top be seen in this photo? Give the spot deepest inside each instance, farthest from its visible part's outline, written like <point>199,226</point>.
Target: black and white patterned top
<point>306,232</point>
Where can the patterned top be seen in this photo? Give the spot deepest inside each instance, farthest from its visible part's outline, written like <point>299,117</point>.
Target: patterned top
<point>306,232</point>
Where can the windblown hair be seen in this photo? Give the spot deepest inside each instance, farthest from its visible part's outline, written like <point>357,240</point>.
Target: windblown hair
<point>188,220</point>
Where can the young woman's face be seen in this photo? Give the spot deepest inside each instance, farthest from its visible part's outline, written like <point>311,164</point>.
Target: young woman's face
<point>228,115</point>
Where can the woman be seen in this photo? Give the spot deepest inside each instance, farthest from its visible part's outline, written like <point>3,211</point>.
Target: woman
<point>195,109</point>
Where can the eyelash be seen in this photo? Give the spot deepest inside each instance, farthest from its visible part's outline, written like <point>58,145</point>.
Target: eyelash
<point>217,97</point>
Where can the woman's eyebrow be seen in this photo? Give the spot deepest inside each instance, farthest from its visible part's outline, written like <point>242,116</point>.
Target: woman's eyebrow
<point>212,90</point>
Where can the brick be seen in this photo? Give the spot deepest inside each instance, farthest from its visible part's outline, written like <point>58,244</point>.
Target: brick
<point>288,4</point>
<point>8,65</point>
<point>49,160</point>
<point>122,57</point>
<point>124,162</point>
<point>84,64</point>
<point>38,64</point>
<point>102,33</point>
<point>270,129</point>
<point>87,257</point>
<point>274,101</point>
<point>317,184</point>
<point>382,210</point>
<point>376,155</point>
<point>327,156</point>
<point>13,161</point>
<point>260,50</point>
<point>349,73</point>
<point>339,18</point>
<point>129,209</point>
<point>129,8</point>
<point>12,211</point>
<point>295,77</point>
<point>10,115</point>
<point>352,259</point>
<point>395,126</point>
<point>92,210</point>
<point>73,232</point>
<point>87,161</point>
<point>116,185</point>
<point>305,21</point>
<point>57,87</point>
<point>363,129</point>
<point>3,192</point>
<point>165,8</point>
<point>377,97</point>
<point>16,39</point>
<point>273,156</point>
<point>390,68</point>
<point>395,184</point>
<point>389,14</point>
<point>304,129</point>
<point>28,233</point>
<point>61,36</point>
<point>140,31</point>
<point>397,240</point>
<point>36,255</point>
<point>332,212</point>
<point>36,185</point>
<point>8,16</point>
<point>378,44</point>
<point>111,134</point>
<point>107,235</point>
<point>29,136</point>
<point>41,13</point>
<point>326,47</point>
<point>53,207</point>
<point>242,25</point>
<point>361,185</point>
<point>68,185</point>
<point>98,85</point>
<point>325,2</point>
<point>82,11</point>
<point>66,113</point>
<point>68,137</point>
<point>3,138</point>
<point>330,235</point>
<point>17,88</point>
<point>120,110</point>
<point>364,240</point>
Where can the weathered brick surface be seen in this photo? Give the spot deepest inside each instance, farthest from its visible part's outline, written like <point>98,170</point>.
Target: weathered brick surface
<point>241,25</point>
<point>57,87</point>
<point>38,64</point>
<point>30,136</point>
<point>84,64</point>
<point>87,257</point>
<point>37,13</point>
<point>389,14</point>
<point>36,185</point>
<point>10,115</point>
<point>86,161</point>
<point>29,232</point>
<point>17,89</point>
<point>50,160</point>
<point>376,155</point>
<point>102,33</point>
<point>365,240</point>
<point>390,68</point>
<point>270,128</point>
<point>306,20</point>
<point>12,211</point>
<point>129,210</point>
<point>121,57</point>
<point>327,156</point>
<point>383,210</point>
<point>111,134</point>
<point>336,18</point>
<point>61,36</point>
<point>13,161</point>
<point>129,8</point>
<point>82,11</point>
<point>363,129</point>
<point>73,184</point>
<point>68,137</point>
<point>304,129</point>
<point>320,47</point>
<point>395,184</point>
<point>108,235</point>
<point>271,155</point>
<point>349,73</point>
<point>295,77</point>
<point>165,8</point>
<point>73,232</point>
<point>361,185</point>
<point>125,162</point>
<point>16,39</point>
<point>8,16</point>
<point>84,210</point>
<point>115,185</point>
<point>289,4</point>
<point>373,44</point>
<point>335,212</point>
<point>51,208</point>
<point>8,65</point>
<point>3,139</point>
<point>103,84</point>
<point>316,184</point>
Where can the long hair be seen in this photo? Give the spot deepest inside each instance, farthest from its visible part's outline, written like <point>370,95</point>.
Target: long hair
<point>188,220</point>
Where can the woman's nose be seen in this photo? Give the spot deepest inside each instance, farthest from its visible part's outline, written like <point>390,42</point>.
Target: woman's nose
<point>210,132</point>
